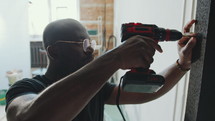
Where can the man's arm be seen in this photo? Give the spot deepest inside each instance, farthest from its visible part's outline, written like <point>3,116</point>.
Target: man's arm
<point>64,100</point>
<point>172,74</point>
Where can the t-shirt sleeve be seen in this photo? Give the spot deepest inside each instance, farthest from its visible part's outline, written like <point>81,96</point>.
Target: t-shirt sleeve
<point>22,87</point>
<point>108,89</point>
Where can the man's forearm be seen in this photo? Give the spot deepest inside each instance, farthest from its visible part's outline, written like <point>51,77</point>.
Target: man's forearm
<point>172,75</point>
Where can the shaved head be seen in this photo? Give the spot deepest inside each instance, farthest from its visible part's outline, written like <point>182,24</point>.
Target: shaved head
<point>64,29</point>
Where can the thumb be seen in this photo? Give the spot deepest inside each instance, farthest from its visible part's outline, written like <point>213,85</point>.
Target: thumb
<point>189,46</point>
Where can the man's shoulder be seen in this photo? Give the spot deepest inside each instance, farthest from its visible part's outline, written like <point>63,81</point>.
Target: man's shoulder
<point>26,85</point>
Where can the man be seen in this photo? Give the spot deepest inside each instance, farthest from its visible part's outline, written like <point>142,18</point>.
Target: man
<point>75,88</point>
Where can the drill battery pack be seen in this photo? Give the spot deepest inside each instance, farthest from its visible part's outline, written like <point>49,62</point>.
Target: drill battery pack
<point>141,82</point>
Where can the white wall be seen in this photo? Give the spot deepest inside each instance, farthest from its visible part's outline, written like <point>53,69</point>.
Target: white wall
<point>167,14</point>
<point>14,42</point>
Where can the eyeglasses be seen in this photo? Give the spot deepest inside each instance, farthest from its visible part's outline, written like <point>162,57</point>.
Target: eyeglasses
<point>86,43</point>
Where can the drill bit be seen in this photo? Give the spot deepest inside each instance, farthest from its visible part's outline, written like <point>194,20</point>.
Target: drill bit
<point>189,34</point>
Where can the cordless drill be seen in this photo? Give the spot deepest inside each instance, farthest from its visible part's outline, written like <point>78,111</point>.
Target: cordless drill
<point>145,80</point>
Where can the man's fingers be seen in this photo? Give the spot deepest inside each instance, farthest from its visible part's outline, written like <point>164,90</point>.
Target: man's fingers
<point>189,25</point>
<point>184,40</point>
<point>153,44</point>
<point>191,43</point>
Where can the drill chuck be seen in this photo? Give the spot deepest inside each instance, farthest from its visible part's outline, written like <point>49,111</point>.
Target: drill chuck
<point>149,30</point>
<point>167,34</point>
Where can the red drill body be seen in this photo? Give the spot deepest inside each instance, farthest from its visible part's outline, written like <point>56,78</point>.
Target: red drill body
<point>149,30</point>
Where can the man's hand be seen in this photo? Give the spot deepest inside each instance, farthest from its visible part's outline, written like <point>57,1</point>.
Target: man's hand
<point>137,51</point>
<point>185,46</point>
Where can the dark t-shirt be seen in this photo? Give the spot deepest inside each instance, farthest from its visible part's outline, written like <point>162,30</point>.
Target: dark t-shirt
<point>92,112</point>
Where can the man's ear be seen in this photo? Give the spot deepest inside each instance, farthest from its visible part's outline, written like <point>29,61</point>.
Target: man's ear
<point>52,52</point>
